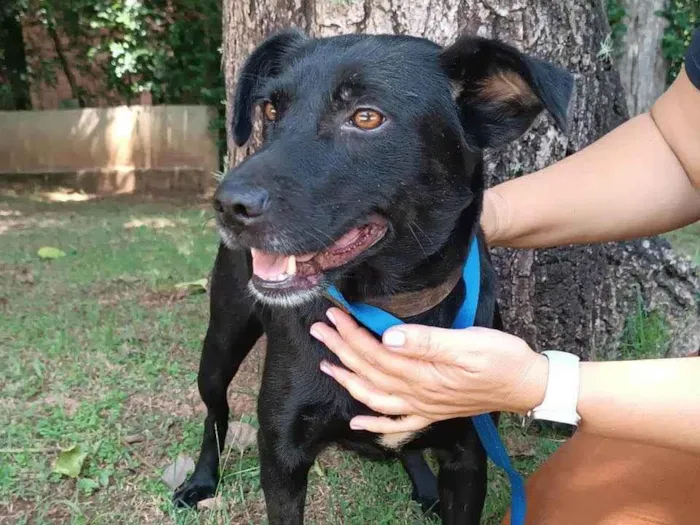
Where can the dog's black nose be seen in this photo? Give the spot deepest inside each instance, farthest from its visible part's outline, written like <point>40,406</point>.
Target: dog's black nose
<point>241,202</point>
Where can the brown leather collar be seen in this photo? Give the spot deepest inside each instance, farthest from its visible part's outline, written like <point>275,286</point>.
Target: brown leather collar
<point>409,304</point>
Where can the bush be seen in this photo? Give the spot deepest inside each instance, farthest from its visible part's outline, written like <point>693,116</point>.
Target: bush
<point>683,19</point>
<point>618,28</point>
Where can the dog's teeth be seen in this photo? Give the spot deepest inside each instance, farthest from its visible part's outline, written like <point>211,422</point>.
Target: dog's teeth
<point>292,266</point>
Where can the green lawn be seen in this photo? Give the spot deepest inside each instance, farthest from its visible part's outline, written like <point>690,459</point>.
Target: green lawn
<point>97,349</point>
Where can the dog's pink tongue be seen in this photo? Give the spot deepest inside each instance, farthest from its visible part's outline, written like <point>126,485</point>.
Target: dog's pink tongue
<point>268,266</point>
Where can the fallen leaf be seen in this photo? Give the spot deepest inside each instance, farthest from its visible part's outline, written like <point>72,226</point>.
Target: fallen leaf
<point>70,461</point>
<point>318,469</point>
<point>176,473</point>
<point>49,252</point>
<point>134,438</point>
<point>240,435</point>
<point>214,503</point>
<point>198,286</point>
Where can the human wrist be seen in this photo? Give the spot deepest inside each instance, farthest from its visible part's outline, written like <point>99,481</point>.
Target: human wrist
<point>533,385</point>
<point>492,216</point>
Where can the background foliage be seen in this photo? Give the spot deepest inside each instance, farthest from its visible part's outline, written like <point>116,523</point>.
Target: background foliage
<point>683,18</point>
<point>616,19</point>
<point>170,48</point>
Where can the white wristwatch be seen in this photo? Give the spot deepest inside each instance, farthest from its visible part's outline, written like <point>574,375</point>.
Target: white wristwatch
<point>561,395</point>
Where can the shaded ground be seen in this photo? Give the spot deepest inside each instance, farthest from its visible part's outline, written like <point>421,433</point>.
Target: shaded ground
<point>98,349</point>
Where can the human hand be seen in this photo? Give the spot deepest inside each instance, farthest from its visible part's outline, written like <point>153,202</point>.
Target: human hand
<point>430,374</point>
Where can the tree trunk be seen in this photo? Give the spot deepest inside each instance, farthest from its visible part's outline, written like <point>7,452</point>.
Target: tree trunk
<point>576,298</point>
<point>63,60</point>
<point>13,63</point>
<point>642,65</point>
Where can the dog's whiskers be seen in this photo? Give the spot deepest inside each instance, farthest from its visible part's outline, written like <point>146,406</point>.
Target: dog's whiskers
<point>325,235</point>
<point>417,240</point>
<point>424,234</point>
<point>432,243</point>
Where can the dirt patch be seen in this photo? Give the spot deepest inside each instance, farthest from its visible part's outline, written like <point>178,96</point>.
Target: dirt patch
<point>180,403</point>
<point>15,511</point>
<point>133,289</point>
<point>68,405</point>
<point>252,511</point>
<point>24,275</point>
<point>157,298</point>
<point>320,502</point>
<point>155,223</point>
<point>24,223</point>
<point>51,509</point>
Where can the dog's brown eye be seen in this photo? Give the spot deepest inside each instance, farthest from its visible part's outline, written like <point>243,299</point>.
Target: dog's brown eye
<point>367,119</point>
<point>270,111</point>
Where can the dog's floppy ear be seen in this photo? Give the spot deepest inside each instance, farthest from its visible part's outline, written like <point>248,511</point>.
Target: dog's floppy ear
<point>265,61</point>
<point>500,90</point>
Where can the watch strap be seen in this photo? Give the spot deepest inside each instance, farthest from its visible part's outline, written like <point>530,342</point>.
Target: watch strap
<point>561,394</point>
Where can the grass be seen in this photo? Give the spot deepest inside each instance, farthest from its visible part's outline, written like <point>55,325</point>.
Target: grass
<point>687,241</point>
<point>646,334</point>
<point>97,350</point>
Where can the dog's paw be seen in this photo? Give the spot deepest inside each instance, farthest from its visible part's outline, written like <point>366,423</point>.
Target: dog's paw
<point>193,491</point>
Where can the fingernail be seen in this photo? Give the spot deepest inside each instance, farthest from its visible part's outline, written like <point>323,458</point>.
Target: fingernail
<point>355,425</point>
<point>394,338</point>
<point>315,333</point>
<point>326,368</point>
<point>330,316</point>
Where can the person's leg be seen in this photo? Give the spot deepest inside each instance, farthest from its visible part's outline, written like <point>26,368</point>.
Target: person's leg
<point>593,480</point>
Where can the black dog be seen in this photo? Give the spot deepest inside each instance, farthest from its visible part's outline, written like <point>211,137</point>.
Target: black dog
<point>370,178</point>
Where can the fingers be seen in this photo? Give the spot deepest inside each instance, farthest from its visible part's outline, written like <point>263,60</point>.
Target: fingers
<point>362,353</point>
<point>365,393</point>
<point>386,425</point>
<point>442,345</point>
<point>425,343</point>
<point>385,403</point>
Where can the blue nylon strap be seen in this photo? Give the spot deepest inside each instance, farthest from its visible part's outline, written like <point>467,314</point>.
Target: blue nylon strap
<point>378,321</point>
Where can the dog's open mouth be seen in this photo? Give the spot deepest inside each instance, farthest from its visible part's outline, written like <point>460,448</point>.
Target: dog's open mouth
<point>275,273</point>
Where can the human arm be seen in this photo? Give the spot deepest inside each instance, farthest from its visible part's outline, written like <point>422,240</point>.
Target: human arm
<point>640,179</point>
<point>438,374</point>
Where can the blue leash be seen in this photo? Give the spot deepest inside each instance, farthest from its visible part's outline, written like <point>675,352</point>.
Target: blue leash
<point>378,321</point>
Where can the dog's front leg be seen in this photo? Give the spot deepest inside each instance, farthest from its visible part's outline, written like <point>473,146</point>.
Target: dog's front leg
<point>423,480</point>
<point>233,330</point>
<point>284,480</point>
<point>462,480</point>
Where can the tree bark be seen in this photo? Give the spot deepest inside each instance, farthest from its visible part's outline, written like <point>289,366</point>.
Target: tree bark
<point>574,298</point>
<point>642,65</point>
<point>14,59</point>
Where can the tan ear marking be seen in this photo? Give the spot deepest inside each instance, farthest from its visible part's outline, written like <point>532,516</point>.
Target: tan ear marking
<point>507,85</point>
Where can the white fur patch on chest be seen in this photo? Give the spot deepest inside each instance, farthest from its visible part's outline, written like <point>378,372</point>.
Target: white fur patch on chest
<point>396,440</point>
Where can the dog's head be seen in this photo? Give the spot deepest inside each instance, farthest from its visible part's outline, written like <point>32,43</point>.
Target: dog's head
<point>372,151</point>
